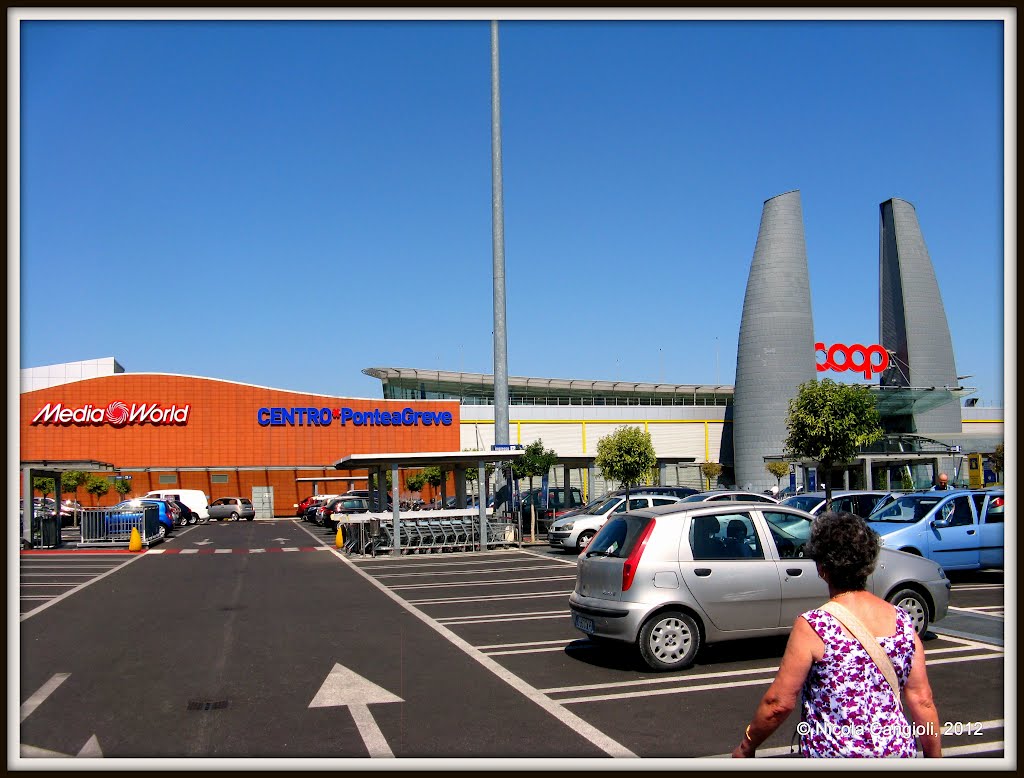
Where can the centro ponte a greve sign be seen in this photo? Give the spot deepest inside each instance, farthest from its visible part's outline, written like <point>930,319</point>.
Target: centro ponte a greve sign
<point>120,414</point>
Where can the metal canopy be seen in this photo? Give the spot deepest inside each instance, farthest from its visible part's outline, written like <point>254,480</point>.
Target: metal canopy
<point>63,465</point>
<point>904,400</point>
<point>424,459</point>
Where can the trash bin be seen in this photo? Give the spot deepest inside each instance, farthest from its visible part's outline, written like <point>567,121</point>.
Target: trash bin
<point>50,531</point>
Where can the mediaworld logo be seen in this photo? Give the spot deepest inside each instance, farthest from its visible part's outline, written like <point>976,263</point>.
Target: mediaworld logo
<point>116,414</point>
<point>322,417</point>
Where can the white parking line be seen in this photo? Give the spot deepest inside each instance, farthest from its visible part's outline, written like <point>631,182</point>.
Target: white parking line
<point>523,645</point>
<point>37,699</point>
<point>189,551</point>
<point>80,586</point>
<point>485,583</point>
<point>54,575</point>
<point>571,720</point>
<point>406,561</point>
<point>550,650</point>
<point>967,642</point>
<point>560,615</point>
<point>464,572</point>
<point>489,616</point>
<point>489,598</point>
<point>653,681</point>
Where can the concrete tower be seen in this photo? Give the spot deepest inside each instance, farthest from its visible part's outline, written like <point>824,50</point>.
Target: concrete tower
<point>776,341</point>
<point>912,319</point>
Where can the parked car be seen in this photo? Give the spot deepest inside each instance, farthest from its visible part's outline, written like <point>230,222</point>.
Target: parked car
<point>316,502</point>
<point>168,514</point>
<point>669,579</point>
<point>859,502</point>
<point>575,531</point>
<point>732,495</point>
<point>556,505</point>
<point>675,491</point>
<point>68,509</point>
<point>300,507</point>
<point>232,509</point>
<point>344,504</point>
<point>185,516</point>
<point>197,501</point>
<point>960,529</point>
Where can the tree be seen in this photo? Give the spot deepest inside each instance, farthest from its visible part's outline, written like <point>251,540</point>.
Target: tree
<point>97,486</point>
<point>415,482</point>
<point>626,456</point>
<point>711,471</point>
<point>122,486</point>
<point>71,480</point>
<point>433,476</point>
<point>778,469</point>
<point>829,423</point>
<point>44,486</point>
<point>996,457</point>
<point>534,461</point>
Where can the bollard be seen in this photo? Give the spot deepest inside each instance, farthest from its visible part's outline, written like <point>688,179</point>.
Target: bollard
<point>135,543</point>
<point>339,540</point>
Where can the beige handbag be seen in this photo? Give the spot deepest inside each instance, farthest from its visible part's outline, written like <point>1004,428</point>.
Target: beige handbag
<point>866,639</point>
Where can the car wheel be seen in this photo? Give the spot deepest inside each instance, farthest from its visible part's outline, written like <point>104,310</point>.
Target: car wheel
<point>584,539</point>
<point>249,518</point>
<point>182,520</point>
<point>915,606</point>
<point>234,516</point>
<point>193,518</point>
<point>669,641</point>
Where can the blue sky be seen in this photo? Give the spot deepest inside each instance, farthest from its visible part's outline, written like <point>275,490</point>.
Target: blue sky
<point>285,203</point>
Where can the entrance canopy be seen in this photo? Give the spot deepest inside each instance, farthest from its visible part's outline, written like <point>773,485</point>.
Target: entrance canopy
<point>449,460</point>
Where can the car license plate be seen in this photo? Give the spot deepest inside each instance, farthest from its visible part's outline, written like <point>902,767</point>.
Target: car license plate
<point>584,624</point>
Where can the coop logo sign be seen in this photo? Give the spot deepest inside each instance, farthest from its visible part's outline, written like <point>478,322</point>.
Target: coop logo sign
<point>116,414</point>
<point>323,417</point>
<point>858,358</point>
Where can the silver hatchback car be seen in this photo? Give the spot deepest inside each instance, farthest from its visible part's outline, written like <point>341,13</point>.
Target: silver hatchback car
<point>669,579</point>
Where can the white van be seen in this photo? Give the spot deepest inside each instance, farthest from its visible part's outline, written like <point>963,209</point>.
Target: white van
<point>197,501</point>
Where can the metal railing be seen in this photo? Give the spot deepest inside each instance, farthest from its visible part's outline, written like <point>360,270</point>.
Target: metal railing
<point>113,526</point>
<point>430,532</point>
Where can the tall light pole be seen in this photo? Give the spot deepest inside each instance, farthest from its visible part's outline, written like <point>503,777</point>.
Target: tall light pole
<point>498,240</point>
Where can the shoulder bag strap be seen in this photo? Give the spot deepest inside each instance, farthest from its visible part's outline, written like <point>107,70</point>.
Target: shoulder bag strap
<point>866,639</point>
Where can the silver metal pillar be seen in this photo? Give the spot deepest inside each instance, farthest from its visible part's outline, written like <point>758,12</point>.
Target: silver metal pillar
<point>396,549</point>
<point>482,475</point>
<point>501,436</point>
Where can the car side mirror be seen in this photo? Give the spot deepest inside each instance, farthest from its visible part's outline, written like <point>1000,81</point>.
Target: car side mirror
<point>941,523</point>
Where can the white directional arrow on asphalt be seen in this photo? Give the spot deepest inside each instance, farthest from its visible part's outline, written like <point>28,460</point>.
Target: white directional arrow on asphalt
<point>280,540</point>
<point>344,687</point>
<point>203,542</point>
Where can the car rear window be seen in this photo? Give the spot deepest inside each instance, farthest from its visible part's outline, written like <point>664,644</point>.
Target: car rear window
<point>618,536</point>
<point>246,503</point>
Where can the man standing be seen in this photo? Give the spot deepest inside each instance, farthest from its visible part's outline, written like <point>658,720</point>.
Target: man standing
<point>943,482</point>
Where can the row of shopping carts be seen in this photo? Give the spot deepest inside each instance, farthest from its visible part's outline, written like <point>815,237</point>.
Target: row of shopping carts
<point>373,537</point>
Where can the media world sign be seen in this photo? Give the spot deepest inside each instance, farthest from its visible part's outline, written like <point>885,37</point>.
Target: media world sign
<point>116,414</point>
<point>857,358</point>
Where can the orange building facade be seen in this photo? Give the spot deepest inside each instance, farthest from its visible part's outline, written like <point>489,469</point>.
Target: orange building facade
<point>224,438</point>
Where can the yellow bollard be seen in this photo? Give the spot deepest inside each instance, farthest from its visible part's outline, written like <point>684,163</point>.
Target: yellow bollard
<point>339,540</point>
<point>135,543</point>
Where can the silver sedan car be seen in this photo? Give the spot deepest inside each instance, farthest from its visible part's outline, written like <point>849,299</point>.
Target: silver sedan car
<point>669,579</point>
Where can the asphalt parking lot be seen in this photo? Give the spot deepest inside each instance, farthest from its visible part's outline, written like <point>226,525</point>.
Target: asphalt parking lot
<point>259,639</point>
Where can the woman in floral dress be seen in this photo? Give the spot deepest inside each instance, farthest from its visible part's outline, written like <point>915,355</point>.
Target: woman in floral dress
<point>848,708</point>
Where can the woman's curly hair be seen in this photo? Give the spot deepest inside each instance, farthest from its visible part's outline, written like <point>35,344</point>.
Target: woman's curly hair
<point>845,547</point>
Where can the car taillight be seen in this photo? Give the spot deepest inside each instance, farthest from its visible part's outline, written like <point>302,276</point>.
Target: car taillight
<point>629,567</point>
